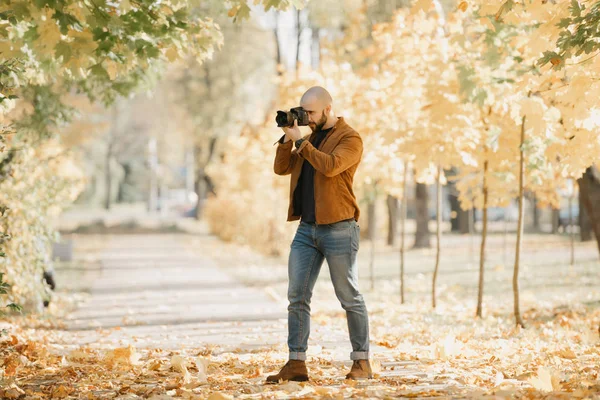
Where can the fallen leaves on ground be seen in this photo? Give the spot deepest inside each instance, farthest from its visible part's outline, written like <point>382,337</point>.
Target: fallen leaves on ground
<point>423,355</point>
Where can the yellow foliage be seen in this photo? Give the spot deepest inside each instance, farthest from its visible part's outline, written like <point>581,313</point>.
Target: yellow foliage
<point>42,181</point>
<point>251,205</point>
<point>49,31</point>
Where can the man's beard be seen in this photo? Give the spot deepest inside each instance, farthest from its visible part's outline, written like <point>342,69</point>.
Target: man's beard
<point>320,124</point>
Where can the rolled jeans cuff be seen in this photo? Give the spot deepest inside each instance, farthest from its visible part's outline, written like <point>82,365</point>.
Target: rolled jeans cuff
<point>295,355</point>
<point>359,355</point>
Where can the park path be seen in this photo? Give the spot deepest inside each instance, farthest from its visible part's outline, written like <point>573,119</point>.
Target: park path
<point>156,291</point>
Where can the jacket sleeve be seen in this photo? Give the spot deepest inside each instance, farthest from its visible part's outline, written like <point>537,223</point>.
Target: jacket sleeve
<point>285,159</point>
<point>347,153</point>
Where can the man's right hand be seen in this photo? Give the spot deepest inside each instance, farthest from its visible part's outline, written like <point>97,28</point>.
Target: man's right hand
<point>292,133</point>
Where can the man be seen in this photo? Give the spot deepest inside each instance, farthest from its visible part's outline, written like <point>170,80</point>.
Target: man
<point>322,167</point>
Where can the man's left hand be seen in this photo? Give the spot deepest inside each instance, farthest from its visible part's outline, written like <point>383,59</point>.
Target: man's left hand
<point>293,133</point>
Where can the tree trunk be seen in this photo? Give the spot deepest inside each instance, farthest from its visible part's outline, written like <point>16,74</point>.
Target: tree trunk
<point>479,312</point>
<point>518,319</point>
<point>459,218</point>
<point>201,192</point>
<point>298,37</point>
<point>572,229</point>
<point>392,206</point>
<point>153,184</point>
<point>108,178</point>
<point>109,155</point>
<point>454,208</point>
<point>465,221</point>
<point>505,237</point>
<point>422,235</point>
<point>536,215</point>
<point>438,213</point>
<point>203,184</point>
<point>471,222</point>
<point>190,171</point>
<point>316,48</point>
<point>277,45</point>
<point>555,221</point>
<point>585,224</point>
<point>403,231</point>
<point>121,195</point>
<point>199,187</point>
<point>589,187</point>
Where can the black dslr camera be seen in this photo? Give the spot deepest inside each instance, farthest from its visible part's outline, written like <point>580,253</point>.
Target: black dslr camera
<point>286,118</point>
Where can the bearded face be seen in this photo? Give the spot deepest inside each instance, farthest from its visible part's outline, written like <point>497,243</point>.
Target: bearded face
<point>317,125</point>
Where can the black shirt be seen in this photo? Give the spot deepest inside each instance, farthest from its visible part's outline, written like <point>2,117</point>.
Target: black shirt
<point>304,195</point>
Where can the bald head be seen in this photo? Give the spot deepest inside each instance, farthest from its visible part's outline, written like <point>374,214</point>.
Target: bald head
<point>316,96</point>
<point>317,103</point>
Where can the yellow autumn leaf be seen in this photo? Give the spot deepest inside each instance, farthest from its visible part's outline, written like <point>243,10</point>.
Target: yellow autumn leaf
<point>122,355</point>
<point>545,380</point>
<point>9,49</point>
<point>125,6</point>
<point>556,61</point>
<point>49,33</point>
<point>463,6</point>
<point>202,365</point>
<point>172,54</point>
<point>112,68</point>
<point>422,5</point>
<point>60,393</point>
<point>155,365</point>
<point>13,392</point>
<point>180,364</point>
<point>567,353</point>
<point>79,355</point>
<point>167,10</point>
<point>219,396</point>
<point>11,364</point>
<point>233,11</point>
<point>498,379</point>
<point>83,42</point>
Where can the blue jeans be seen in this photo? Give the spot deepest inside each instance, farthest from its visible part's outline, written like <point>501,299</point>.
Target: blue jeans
<point>338,243</point>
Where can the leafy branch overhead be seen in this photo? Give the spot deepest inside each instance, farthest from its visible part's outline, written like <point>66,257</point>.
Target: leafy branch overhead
<point>102,48</point>
<point>240,9</point>
<point>579,35</point>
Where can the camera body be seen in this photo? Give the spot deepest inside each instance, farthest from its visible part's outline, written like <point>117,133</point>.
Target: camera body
<point>286,118</point>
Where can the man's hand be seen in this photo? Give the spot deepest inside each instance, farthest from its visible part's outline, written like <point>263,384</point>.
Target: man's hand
<point>293,133</point>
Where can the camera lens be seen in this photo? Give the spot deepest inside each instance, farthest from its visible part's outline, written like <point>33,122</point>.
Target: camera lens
<point>283,119</point>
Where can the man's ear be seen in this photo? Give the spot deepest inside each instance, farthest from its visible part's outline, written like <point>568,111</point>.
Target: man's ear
<point>328,110</point>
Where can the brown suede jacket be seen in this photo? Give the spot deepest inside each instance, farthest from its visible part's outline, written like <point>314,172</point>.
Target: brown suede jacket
<point>335,162</point>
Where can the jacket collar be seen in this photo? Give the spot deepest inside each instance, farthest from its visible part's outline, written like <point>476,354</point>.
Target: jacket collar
<point>340,123</point>
<point>339,126</point>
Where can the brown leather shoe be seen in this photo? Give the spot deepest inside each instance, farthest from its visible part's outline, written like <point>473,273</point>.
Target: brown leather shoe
<point>293,370</point>
<point>361,369</point>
